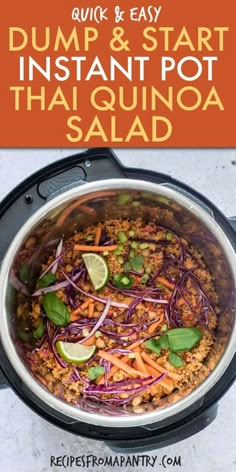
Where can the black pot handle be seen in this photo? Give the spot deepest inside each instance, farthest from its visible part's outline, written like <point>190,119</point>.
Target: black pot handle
<point>97,164</point>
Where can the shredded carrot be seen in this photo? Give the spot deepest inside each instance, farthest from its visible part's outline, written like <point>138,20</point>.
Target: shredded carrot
<point>83,247</point>
<point>88,210</point>
<point>181,301</point>
<point>165,282</point>
<point>165,383</point>
<point>134,345</point>
<point>86,304</point>
<point>90,341</point>
<point>114,369</point>
<point>97,236</point>
<point>158,367</point>
<point>78,310</point>
<point>91,310</point>
<point>143,368</point>
<point>125,359</point>
<point>78,203</point>
<point>74,316</point>
<point>120,364</point>
<point>140,363</point>
<point>152,328</point>
<point>41,379</point>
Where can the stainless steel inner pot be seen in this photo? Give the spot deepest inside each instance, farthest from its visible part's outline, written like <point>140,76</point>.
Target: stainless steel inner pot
<point>95,202</point>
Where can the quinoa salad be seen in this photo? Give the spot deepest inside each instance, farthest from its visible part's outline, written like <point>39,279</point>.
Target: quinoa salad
<point>122,314</point>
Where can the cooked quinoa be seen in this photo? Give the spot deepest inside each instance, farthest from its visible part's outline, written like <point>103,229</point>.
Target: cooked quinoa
<point>159,283</point>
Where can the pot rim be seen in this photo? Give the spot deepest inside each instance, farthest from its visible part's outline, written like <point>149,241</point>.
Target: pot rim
<point>41,392</point>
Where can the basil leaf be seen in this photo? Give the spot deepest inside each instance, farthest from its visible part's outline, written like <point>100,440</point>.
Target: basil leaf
<point>154,345</point>
<point>55,309</point>
<point>23,335</point>
<point>95,372</point>
<point>46,280</point>
<point>184,339</point>
<point>39,331</point>
<point>137,263</point>
<point>175,360</point>
<point>24,273</point>
<point>164,341</point>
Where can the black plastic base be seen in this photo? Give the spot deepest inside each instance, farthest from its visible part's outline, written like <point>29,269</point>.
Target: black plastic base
<point>166,438</point>
<point>16,208</point>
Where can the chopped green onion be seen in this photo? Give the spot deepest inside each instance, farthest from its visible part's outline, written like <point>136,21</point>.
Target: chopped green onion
<point>161,286</point>
<point>144,246</point>
<point>123,198</point>
<point>169,236</point>
<point>117,252</point>
<point>148,270</point>
<point>163,200</point>
<point>164,328</point>
<point>131,233</point>
<point>135,204</point>
<point>125,280</point>
<point>132,355</point>
<point>95,372</point>
<point>89,237</point>
<point>144,279</point>
<point>85,332</point>
<point>98,334</point>
<point>121,247</point>
<point>122,237</point>
<point>105,253</point>
<point>120,260</point>
<point>134,245</point>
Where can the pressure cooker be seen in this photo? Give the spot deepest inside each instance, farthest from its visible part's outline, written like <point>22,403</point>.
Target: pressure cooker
<point>34,205</point>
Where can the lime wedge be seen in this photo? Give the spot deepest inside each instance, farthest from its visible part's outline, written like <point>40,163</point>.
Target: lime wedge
<point>97,269</point>
<point>74,352</point>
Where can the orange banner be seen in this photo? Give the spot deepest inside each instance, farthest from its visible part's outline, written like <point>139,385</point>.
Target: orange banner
<point>124,74</point>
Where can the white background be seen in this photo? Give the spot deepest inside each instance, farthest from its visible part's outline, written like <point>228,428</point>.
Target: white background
<point>27,441</point>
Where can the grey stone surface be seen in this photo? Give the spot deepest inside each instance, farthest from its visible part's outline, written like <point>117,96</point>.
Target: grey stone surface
<point>27,441</point>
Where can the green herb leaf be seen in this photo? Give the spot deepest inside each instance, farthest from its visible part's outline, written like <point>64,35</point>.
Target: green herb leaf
<point>39,331</point>
<point>23,335</point>
<point>175,360</point>
<point>164,341</point>
<point>184,339</point>
<point>24,273</point>
<point>137,263</point>
<point>46,280</point>
<point>95,372</point>
<point>55,309</point>
<point>127,266</point>
<point>123,281</point>
<point>154,345</point>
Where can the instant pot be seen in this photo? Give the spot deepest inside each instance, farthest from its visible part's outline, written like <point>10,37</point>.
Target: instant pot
<point>97,177</point>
